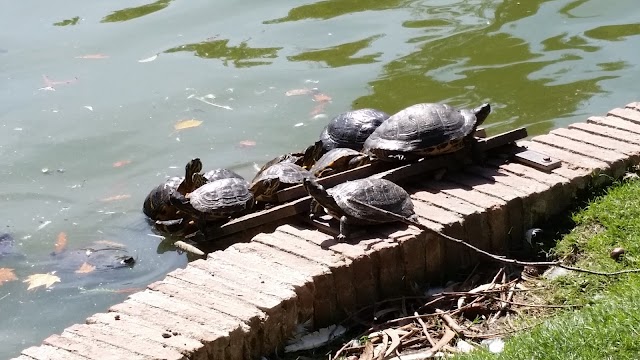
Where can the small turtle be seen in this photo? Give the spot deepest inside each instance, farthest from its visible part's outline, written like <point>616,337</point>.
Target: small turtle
<point>277,177</point>
<point>217,174</point>
<point>338,160</point>
<point>157,205</point>
<point>350,129</point>
<point>216,200</point>
<point>100,257</point>
<point>305,159</point>
<point>424,130</point>
<point>380,193</point>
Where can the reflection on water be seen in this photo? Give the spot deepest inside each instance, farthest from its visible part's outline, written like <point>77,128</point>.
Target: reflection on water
<point>107,119</point>
<point>136,12</point>
<point>240,56</point>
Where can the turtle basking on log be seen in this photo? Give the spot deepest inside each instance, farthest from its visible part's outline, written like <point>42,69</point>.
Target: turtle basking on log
<point>423,130</point>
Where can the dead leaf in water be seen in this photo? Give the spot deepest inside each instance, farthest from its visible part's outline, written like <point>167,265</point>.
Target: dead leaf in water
<point>116,197</point>
<point>298,92</point>
<point>186,124</point>
<point>121,163</point>
<point>61,243</point>
<point>246,143</point>
<point>93,56</point>
<point>85,268</point>
<point>7,275</point>
<point>45,280</point>
<point>149,59</point>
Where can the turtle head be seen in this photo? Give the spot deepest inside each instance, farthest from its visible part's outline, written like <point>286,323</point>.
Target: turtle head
<point>192,167</point>
<point>359,160</point>
<point>481,113</point>
<point>312,154</point>
<point>313,188</point>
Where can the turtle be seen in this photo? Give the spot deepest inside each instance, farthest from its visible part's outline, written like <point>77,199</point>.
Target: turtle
<point>426,129</point>
<point>350,129</point>
<point>216,201</point>
<point>377,192</point>
<point>277,177</point>
<point>99,256</point>
<point>157,206</point>
<point>338,160</point>
<point>221,173</point>
<point>305,159</point>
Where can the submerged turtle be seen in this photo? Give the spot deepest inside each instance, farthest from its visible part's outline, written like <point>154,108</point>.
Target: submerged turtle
<point>277,177</point>
<point>157,205</point>
<point>350,129</point>
<point>216,200</point>
<point>380,193</point>
<point>424,130</point>
<point>96,257</point>
<point>338,160</point>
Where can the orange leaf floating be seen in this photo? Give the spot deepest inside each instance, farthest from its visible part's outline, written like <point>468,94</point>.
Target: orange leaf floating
<point>116,197</point>
<point>93,56</point>
<point>186,124</point>
<point>121,163</point>
<point>247,143</point>
<point>45,280</point>
<point>61,242</point>
<point>7,275</point>
<point>85,268</point>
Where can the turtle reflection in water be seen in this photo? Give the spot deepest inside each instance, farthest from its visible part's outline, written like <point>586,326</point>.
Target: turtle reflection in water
<point>338,202</point>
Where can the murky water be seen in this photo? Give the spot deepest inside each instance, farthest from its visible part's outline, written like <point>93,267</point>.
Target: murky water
<point>95,90</point>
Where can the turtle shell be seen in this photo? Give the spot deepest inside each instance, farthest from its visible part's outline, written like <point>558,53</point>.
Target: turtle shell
<point>295,158</point>
<point>350,129</point>
<point>156,205</point>
<point>277,177</point>
<point>338,160</point>
<point>217,174</point>
<point>222,198</point>
<point>424,129</point>
<point>380,193</point>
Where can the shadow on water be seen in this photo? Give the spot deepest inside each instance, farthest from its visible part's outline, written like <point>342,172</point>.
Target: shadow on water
<point>241,56</point>
<point>136,12</point>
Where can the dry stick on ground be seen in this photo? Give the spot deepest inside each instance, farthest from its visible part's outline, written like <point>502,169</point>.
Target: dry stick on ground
<point>501,259</point>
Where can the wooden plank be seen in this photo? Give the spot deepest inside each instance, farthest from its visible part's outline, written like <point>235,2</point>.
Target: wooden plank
<point>500,139</point>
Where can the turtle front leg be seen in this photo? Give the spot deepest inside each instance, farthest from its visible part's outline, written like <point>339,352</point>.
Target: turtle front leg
<point>313,209</point>
<point>344,229</point>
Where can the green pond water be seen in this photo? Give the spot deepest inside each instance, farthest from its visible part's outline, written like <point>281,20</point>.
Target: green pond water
<point>87,86</point>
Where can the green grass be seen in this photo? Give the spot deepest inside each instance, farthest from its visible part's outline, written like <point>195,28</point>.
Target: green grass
<point>608,326</point>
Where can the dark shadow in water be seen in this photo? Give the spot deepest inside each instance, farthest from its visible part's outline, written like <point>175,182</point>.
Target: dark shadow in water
<point>240,56</point>
<point>566,10</point>
<point>341,55</point>
<point>136,12</point>
<point>333,8</point>
<point>486,64</point>
<point>613,32</point>
<point>72,21</point>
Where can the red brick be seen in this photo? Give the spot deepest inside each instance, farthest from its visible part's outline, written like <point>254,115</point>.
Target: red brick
<point>604,142</point>
<point>91,349</point>
<point>617,162</point>
<point>134,327</point>
<point>511,196</point>
<point>627,114</point>
<point>138,345</point>
<point>215,341</point>
<point>46,352</point>
<point>390,268</point>
<point>611,132</point>
<point>615,122</point>
<point>577,168</point>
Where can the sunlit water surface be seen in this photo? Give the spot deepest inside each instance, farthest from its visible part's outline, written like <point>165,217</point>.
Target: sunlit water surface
<point>95,89</point>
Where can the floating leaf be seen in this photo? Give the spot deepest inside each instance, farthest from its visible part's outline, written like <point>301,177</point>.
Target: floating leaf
<point>321,97</point>
<point>61,242</point>
<point>45,280</point>
<point>297,92</point>
<point>85,268</point>
<point>149,59</point>
<point>186,124</point>
<point>88,107</point>
<point>121,163</point>
<point>42,226</point>
<point>247,143</point>
<point>7,275</point>
<point>116,197</point>
<point>93,56</point>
